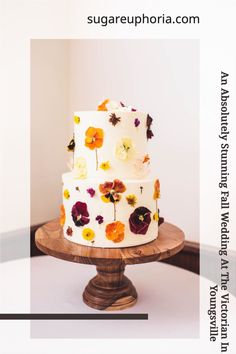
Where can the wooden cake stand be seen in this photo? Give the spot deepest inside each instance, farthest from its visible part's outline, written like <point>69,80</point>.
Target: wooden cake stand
<point>110,289</point>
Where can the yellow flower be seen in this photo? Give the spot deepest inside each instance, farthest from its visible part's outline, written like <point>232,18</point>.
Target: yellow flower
<point>123,148</point>
<point>105,199</point>
<point>66,194</point>
<point>105,165</point>
<point>131,199</point>
<point>88,234</point>
<point>80,168</point>
<point>76,119</point>
<point>155,216</point>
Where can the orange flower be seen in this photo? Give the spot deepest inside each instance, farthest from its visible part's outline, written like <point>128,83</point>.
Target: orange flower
<point>62,215</point>
<point>94,138</point>
<point>156,193</point>
<point>102,106</point>
<point>146,158</point>
<point>115,231</point>
<point>111,190</point>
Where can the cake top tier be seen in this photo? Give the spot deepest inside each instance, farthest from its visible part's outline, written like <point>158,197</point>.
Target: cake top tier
<point>111,142</point>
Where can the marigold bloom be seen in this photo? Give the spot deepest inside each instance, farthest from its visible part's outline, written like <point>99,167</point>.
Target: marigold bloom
<point>102,106</point>
<point>156,193</point>
<point>94,138</point>
<point>62,215</point>
<point>115,231</point>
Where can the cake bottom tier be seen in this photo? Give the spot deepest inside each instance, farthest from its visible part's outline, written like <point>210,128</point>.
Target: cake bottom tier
<point>109,214</point>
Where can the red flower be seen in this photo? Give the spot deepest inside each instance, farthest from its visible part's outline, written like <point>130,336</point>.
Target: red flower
<point>139,220</point>
<point>99,219</point>
<point>69,231</point>
<point>80,214</point>
<point>111,190</point>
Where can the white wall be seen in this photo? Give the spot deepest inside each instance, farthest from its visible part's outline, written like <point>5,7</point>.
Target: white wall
<point>157,76</point>
<point>49,125</point>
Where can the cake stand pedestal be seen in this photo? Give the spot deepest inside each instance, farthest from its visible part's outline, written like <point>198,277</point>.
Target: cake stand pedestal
<point>110,289</point>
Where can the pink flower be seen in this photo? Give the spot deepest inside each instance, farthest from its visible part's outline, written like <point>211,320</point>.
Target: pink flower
<point>91,192</point>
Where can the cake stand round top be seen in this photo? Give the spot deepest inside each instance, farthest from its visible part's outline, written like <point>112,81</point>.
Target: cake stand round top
<point>50,240</point>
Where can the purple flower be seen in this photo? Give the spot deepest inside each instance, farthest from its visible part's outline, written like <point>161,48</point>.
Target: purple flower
<point>99,219</point>
<point>80,214</point>
<point>149,134</point>
<point>136,122</point>
<point>91,192</point>
<point>133,110</point>
<point>149,123</point>
<point>139,220</point>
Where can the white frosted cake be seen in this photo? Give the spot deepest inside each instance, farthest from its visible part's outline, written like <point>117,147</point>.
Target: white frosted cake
<point>109,198</point>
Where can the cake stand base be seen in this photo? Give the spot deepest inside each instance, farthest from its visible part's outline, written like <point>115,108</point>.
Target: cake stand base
<point>110,289</point>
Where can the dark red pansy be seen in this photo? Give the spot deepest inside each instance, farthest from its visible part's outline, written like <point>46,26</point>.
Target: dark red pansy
<point>99,219</point>
<point>149,123</point>
<point>136,122</point>
<point>139,220</point>
<point>80,214</point>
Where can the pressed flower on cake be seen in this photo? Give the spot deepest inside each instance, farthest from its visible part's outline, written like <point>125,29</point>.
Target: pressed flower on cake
<point>139,220</point>
<point>131,199</point>
<point>71,145</point>
<point>76,119</point>
<point>149,123</point>
<point>156,216</point>
<point>91,192</point>
<point>114,119</point>
<point>69,231</point>
<point>66,194</point>
<point>142,166</point>
<point>62,215</point>
<point>124,148</point>
<point>88,234</point>
<point>99,219</point>
<point>115,231</point>
<point>111,192</point>
<point>105,165</point>
<point>102,105</point>
<point>136,122</point>
<point>80,168</point>
<point>156,194</point>
<point>80,214</point>
<point>94,140</point>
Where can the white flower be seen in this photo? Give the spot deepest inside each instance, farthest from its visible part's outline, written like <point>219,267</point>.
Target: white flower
<point>141,168</point>
<point>113,106</point>
<point>124,149</point>
<point>80,168</point>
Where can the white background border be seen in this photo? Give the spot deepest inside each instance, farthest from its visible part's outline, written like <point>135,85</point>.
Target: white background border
<point>22,20</point>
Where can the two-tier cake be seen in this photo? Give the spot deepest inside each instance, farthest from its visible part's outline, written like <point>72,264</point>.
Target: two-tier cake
<point>109,200</point>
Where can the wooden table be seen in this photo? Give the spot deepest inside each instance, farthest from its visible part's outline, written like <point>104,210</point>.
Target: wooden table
<point>110,289</point>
